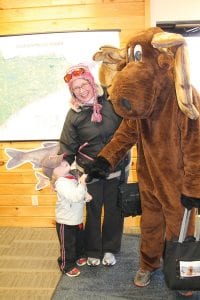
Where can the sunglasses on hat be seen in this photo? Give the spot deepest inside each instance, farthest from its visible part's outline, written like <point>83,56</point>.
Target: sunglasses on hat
<point>74,73</point>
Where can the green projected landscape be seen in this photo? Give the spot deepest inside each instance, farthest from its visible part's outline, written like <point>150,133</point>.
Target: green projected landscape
<point>27,79</point>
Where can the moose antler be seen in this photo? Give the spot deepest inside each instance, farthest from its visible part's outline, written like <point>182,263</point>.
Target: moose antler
<point>181,70</point>
<point>111,58</point>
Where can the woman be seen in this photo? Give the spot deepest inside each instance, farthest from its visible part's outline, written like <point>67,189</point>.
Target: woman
<point>89,125</point>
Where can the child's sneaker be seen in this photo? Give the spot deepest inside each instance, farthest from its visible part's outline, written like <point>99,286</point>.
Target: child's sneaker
<point>73,273</point>
<point>92,261</point>
<point>81,261</point>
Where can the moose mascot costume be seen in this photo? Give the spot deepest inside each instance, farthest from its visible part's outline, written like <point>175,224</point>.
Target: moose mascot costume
<point>152,92</point>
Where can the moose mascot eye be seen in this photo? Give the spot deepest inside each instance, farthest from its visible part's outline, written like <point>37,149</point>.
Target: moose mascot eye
<point>138,53</point>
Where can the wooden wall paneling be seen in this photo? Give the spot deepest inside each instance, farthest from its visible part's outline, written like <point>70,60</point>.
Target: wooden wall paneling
<point>20,144</point>
<point>15,177</point>
<point>26,200</point>
<point>76,18</point>
<point>80,12</point>
<point>46,26</point>
<point>17,187</point>
<point>147,14</point>
<point>132,225</point>
<point>20,189</point>
<point>23,211</point>
<point>12,4</point>
<point>27,221</point>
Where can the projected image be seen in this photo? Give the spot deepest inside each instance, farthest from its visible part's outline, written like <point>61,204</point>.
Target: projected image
<point>33,95</point>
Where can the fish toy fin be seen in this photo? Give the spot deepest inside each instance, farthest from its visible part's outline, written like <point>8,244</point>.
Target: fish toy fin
<point>42,181</point>
<point>15,158</point>
<point>49,144</point>
<point>36,165</point>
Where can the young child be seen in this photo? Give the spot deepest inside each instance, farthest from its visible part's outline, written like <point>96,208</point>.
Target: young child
<point>71,197</point>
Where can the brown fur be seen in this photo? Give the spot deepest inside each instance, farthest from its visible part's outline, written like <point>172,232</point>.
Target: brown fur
<point>168,164</point>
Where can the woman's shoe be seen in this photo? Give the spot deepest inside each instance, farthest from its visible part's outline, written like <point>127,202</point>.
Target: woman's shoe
<point>92,261</point>
<point>109,259</point>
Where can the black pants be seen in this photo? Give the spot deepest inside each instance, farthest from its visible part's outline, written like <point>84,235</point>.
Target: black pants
<point>71,238</point>
<point>103,235</point>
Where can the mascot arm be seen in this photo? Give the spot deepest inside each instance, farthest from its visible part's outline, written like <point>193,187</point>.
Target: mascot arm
<point>99,168</point>
<point>124,138</point>
<point>190,145</point>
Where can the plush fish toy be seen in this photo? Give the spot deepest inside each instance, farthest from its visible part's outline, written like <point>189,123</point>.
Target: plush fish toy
<point>35,156</point>
<point>44,157</point>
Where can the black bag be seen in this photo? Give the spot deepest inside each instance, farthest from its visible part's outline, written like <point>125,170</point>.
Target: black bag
<point>129,199</point>
<point>181,264</point>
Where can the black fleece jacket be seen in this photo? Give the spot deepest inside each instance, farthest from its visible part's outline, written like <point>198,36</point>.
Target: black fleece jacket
<point>78,129</point>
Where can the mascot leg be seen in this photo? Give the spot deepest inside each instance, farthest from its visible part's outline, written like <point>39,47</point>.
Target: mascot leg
<point>152,232</point>
<point>152,238</point>
<point>157,224</point>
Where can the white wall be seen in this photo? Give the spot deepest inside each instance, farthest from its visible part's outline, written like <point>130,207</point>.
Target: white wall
<point>174,10</point>
<point>180,10</point>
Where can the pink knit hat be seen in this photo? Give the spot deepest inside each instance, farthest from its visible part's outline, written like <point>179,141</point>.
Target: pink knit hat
<point>83,72</point>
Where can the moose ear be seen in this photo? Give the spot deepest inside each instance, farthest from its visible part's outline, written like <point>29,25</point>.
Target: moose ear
<point>165,40</point>
<point>109,54</point>
<point>98,56</point>
<point>111,59</point>
<point>165,61</point>
<point>182,83</point>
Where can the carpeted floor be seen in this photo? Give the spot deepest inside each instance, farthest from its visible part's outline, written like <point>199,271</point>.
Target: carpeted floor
<point>28,263</point>
<point>115,283</point>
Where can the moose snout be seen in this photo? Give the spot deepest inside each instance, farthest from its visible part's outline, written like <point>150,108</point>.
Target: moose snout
<point>125,104</point>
